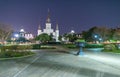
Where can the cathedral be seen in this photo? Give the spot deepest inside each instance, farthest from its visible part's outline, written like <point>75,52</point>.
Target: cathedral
<point>48,29</point>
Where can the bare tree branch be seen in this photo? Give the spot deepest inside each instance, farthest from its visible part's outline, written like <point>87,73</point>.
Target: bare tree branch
<point>5,31</point>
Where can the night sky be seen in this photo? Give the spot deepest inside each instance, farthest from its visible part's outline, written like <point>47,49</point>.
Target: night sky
<point>78,15</point>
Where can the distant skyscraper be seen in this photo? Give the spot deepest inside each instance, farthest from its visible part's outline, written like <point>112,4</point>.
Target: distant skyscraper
<point>48,29</point>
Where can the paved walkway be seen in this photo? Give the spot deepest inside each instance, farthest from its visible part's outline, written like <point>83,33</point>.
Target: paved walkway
<point>57,63</point>
<point>106,58</point>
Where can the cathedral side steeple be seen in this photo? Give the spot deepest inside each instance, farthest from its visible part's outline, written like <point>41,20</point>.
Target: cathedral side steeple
<point>57,27</point>
<point>39,30</point>
<point>57,33</point>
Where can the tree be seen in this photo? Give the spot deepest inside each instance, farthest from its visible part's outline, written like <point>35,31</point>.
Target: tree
<point>22,40</point>
<point>65,36</point>
<point>103,32</point>
<point>60,38</point>
<point>87,35</point>
<point>51,37</point>
<point>112,32</point>
<point>72,37</point>
<point>116,35</point>
<point>5,32</point>
<point>43,38</point>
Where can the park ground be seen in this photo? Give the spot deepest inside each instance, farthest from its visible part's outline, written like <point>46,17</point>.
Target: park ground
<point>62,62</point>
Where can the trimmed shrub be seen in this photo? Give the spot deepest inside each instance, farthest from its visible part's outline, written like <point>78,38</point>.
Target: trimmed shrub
<point>24,47</point>
<point>47,47</point>
<point>71,46</point>
<point>110,47</point>
<point>15,51</point>
<point>36,46</point>
<point>9,54</point>
<point>16,48</point>
<point>54,42</point>
<point>94,46</point>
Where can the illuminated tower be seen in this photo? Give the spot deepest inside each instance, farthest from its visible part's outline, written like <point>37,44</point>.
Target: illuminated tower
<point>39,30</point>
<point>48,28</point>
<point>57,33</point>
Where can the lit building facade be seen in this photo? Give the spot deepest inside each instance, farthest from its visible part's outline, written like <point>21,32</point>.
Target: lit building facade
<point>27,36</point>
<point>48,29</point>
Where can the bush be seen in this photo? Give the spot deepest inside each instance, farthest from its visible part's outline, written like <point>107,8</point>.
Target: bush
<point>39,46</point>
<point>15,51</point>
<point>36,46</point>
<point>16,48</point>
<point>47,47</point>
<point>9,54</point>
<point>24,47</point>
<point>110,47</point>
<point>94,46</point>
<point>71,46</point>
<point>54,42</point>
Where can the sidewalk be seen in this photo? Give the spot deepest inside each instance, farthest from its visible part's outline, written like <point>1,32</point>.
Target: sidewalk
<point>110,59</point>
<point>106,58</point>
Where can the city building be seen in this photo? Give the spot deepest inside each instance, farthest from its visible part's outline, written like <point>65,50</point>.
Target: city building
<point>23,34</point>
<point>26,35</point>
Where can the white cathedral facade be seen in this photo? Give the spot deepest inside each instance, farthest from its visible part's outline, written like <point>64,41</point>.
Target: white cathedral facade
<point>48,29</point>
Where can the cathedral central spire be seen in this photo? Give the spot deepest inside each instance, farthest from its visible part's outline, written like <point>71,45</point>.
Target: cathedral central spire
<point>48,17</point>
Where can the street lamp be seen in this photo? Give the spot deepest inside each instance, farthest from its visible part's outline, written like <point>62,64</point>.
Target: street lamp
<point>95,37</point>
<point>16,35</point>
<point>100,39</point>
